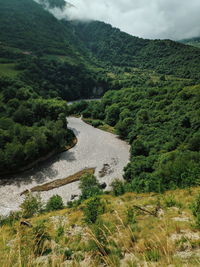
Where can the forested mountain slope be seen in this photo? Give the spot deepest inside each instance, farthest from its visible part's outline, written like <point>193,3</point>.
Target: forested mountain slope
<point>27,25</point>
<point>192,41</point>
<point>118,48</point>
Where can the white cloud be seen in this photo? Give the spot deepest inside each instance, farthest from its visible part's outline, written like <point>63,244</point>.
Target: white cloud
<point>174,19</point>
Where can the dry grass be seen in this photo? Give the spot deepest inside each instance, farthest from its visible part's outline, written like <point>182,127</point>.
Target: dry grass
<point>150,241</point>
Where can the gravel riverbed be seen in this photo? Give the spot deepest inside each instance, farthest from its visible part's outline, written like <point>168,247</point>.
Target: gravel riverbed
<point>95,149</point>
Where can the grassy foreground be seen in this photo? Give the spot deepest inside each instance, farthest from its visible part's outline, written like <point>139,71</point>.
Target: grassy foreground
<point>134,230</point>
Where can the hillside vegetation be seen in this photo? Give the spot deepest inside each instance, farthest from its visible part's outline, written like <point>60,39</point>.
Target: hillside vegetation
<point>192,41</point>
<point>151,99</point>
<point>130,230</point>
<point>118,48</point>
<point>30,126</point>
<point>159,117</point>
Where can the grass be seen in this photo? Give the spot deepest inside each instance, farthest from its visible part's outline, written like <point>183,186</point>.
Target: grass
<point>60,182</point>
<point>8,70</point>
<point>113,240</point>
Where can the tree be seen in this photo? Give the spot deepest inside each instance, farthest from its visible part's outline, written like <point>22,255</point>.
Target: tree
<point>31,205</point>
<point>94,207</point>
<point>89,186</point>
<point>55,203</point>
<point>112,114</point>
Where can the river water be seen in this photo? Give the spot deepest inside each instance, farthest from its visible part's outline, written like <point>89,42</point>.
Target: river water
<point>95,149</point>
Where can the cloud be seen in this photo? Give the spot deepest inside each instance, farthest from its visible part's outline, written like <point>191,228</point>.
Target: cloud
<point>174,19</point>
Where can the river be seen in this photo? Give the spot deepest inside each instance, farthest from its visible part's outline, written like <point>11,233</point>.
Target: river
<point>95,149</point>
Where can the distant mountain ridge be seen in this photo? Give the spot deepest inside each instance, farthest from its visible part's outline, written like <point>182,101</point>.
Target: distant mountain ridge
<point>119,48</point>
<point>192,41</point>
<point>25,24</point>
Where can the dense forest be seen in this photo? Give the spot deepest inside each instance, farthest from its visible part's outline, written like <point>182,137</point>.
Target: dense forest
<point>118,48</point>
<point>151,99</point>
<point>161,122</point>
<point>30,126</point>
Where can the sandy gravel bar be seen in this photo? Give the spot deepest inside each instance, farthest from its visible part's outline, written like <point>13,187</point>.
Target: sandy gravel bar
<point>95,149</point>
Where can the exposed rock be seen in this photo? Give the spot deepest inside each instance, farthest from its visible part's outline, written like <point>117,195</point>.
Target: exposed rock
<point>181,219</point>
<point>185,234</point>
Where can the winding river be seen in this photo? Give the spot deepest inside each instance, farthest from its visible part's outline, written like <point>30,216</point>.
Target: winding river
<point>95,149</point>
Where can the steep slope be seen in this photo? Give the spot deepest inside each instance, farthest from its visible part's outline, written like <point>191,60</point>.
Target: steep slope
<point>25,24</point>
<point>118,48</point>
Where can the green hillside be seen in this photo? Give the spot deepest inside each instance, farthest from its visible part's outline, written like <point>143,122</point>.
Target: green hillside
<point>192,41</point>
<point>118,48</point>
<point>26,25</point>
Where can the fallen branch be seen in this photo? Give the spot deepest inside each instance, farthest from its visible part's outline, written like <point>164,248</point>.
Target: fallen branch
<point>152,213</point>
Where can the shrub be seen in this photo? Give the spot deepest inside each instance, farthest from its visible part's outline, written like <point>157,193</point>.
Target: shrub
<point>152,255</point>
<point>54,203</point>
<point>170,201</point>
<point>10,219</point>
<point>40,236</point>
<point>93,209</point>
<point>96,123</point>
<point>89,186</point>
<point>31,205</point>
<point>195,207</point>
<point>117,187</point>
<point>138,148</point>
<point>194,143</point>
<point>130,216</point>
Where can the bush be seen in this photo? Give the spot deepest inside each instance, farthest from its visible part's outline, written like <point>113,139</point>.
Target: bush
<point>117,187</point>
<point>93,209</point>
<point>194,143</point>
<point>96,123</point>
<point>138,148</point>
<point>40,236</point>
<point>130,217</point>
<point>10,219</point>
<point>89,186</point>
<point>195,207</point>
<point>55,203</point>
<point>152,255</point>
<point>170,201</point>
<point>31,205</point>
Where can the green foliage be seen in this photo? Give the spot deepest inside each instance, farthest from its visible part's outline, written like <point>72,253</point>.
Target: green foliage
<point>11,218</point>
<point>112,114</point>
<point>40,236</point>
<point>31,205</point>
<point>90,187</point>
<point>55,203</point>
<point>119,48</point>
<point>170,201</point>
<point>30,126</point>
<point>130,217</point>
<point>194,142</point>
<point>152,255</point>
<point>94,207</point>
<point>163,129</point>
<point>195,207</point>
<point>118,187</point>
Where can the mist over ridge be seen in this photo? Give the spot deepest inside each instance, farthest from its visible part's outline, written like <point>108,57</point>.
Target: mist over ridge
<point>154,19</point>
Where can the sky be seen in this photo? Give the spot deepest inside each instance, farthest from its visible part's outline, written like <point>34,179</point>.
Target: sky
<point>154,19</point>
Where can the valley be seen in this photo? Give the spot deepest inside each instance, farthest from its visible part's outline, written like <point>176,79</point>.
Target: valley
<point>127,192</point>
<point>94,149</point>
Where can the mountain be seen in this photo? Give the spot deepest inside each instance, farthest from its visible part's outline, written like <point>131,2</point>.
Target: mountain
<point>52,3</point>
<point>192,41</point>
<point>27,25</point>
<point>115,47</point>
